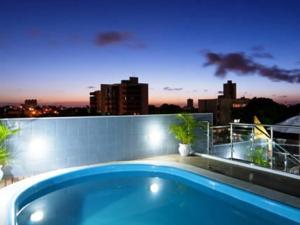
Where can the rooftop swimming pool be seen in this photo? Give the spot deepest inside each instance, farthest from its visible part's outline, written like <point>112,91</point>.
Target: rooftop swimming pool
<point>132,194</point>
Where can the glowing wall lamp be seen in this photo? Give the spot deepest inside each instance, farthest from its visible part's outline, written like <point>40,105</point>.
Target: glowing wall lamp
<point>155,135</point>
<point>38,146</point>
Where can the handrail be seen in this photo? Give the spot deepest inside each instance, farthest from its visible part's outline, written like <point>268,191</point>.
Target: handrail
<point>216,127</point>
<point>288,153</point>
<point>266,125</point>
<point>289,145</point>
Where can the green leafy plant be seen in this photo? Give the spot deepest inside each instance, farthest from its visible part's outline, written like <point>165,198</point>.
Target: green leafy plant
<point>5,132</point>
<point>184,131</point>
<point>258,157</point>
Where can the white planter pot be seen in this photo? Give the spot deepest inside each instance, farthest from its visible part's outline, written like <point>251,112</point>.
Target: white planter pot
<point>185,149</point>
<point>1,172</point>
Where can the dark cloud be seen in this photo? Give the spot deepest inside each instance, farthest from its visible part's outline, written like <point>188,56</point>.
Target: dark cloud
<point>112,37</point>
<point>116,37</point>
<point>242,64</point>
<point>236,62</point>
<point>205,90</point>
<point>91,87</point>
<point>220,92</point>
<point>172,89</point>
<point>282,96</point>
<point>264,55</point>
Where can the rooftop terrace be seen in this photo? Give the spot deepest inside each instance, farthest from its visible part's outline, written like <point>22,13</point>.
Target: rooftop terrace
<point>48,144</point>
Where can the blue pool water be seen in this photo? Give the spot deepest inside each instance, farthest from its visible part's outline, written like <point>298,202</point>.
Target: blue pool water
<point>146,198</point>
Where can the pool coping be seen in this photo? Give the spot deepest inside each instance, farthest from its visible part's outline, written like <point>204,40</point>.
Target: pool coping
<point>9,194</point>
<point>250,166</point>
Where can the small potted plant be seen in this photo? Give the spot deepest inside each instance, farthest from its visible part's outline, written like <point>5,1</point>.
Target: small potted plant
<point>184,132</point>
<point>258,157</point>
<point>5,132</point>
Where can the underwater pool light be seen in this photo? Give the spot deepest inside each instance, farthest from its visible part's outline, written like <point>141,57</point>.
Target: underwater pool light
<point>37,216</point>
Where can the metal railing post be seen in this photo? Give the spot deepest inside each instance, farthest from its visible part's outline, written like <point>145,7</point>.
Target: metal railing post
<point>207,138</point>
<point>271,147</point>
<point>231,141</point>
<point>285,162</point>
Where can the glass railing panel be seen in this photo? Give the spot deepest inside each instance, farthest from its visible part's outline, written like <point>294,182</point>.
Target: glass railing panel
<point>262,145</point>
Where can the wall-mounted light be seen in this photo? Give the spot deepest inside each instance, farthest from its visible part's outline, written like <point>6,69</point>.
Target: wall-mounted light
<point>155,135</point>
<point>37,144</point>
<point>38,147</point>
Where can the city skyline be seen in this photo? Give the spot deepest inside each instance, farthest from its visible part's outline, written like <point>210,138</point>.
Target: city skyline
<point>58,52</point>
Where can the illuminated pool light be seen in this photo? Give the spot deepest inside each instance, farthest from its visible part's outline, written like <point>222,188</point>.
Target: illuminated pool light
<point>154,187</point>
<point>37,216</point>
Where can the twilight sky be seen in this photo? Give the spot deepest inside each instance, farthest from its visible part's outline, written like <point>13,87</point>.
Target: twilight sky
<point>59,51</point>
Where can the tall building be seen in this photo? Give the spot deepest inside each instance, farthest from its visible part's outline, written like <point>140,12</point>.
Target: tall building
<point>110,99</point>
<point>223,106</point>
<point>133,97</point>
<point>128,97</point>
<point>229,90</point>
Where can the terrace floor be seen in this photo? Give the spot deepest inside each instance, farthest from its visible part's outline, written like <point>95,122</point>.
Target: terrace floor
<point>275,186</point>
<point>281,183</point>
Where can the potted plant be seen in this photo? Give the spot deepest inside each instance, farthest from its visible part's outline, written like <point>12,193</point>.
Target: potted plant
<point>258,157</point>
<point>5,132</point>
<point>184,132</point>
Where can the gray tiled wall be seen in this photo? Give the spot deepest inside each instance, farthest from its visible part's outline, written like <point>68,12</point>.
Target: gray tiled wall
<point>46,144</point>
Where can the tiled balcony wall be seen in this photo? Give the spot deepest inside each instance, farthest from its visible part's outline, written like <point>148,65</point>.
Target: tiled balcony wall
<point>45,144</point>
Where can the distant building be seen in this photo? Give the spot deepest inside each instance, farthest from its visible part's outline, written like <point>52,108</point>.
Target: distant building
<point>133,97</point>
<point>223,106</point>
<point>207,105</point>
<point>95,101</point>
<point>190,103</point>
<point>30,103</point>
<point>189,108</point>
<point>128,97</point>
<point>229,90</point>
<point>110,99</point>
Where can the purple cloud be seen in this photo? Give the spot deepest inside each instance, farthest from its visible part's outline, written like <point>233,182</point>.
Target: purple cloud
<point>172,89</point>
<point>236,62</point>
<point>117,37</point>
<point>112,37</point>
<point>242,64</point>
